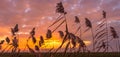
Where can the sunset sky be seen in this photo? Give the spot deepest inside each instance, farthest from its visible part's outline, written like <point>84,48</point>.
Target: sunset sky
<point>41,13</point>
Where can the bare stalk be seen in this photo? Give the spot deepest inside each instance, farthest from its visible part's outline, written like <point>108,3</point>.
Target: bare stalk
<point>93,39</point>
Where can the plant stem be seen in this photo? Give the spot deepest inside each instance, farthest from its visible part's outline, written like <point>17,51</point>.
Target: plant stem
<point>107,33</point>
<point>93,40</point>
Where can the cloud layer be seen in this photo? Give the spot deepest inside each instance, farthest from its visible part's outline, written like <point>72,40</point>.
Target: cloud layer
<point>41,13</point>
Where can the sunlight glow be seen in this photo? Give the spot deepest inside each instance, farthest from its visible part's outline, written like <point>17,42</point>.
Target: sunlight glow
<point>51,43</point>
<point>87,43</point>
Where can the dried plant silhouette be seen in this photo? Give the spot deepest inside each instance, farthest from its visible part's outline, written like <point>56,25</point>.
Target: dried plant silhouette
<point>73,41</point>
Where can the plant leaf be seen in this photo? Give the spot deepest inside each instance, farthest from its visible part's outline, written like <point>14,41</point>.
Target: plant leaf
<point>59,25</point>
<point>101,35</point>
<point>100,27</point>
<point>58,19</point>
<point>99,32</point>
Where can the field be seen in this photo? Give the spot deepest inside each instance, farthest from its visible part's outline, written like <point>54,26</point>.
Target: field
<point>110,54</point>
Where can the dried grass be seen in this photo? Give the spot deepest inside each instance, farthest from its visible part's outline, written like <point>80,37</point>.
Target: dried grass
<point>61,34</point>
<point>49,34</point>
<point>7,40</point>
<point>37,48</point>
<point>1,42</point>
<point>104,14</point>
<point>88,23</point>
<point>114,34</point>
<point>77,19</point>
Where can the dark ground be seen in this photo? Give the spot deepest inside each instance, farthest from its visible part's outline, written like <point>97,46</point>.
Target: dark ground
<point>111,54</point>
